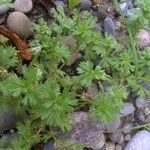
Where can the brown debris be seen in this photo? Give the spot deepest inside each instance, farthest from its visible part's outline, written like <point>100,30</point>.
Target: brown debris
<point>21,45</point>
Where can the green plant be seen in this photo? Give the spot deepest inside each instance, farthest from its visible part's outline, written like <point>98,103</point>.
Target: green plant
<point>50,94</point>
<point>72,4</point>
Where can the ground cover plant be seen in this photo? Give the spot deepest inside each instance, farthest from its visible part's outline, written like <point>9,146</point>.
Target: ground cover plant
<point>52,86</point>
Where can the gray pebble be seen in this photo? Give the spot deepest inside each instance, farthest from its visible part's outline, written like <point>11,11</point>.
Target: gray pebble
<point>62,4</point>
<point>85,4</point>
<point>20,24</point>
<point>127,137</point>
<point>3,9</point>
<point>116,137</point>
<point>110,146</point>
<point>127,109</point>
<point>127,128</point>
<point>143,38</point>
<point>109,26</point>
<point>140,141</point>
<point>114,125</point>
<point>49,145</point>
<point>141,102</point>
<point>125,6</point>
<point>23,5</point>
<point>8,118</point>
<point>118,147</point>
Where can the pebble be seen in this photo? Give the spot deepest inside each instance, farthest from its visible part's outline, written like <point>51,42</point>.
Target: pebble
<point>114,125</point>
<point>85,4</point>
<point>71,43</point>
<point>23,5</point>
<point>116,137</point>
<point>125,6</point>
<point>92,91</point>
<point>49,145</point>
<point>2,18</point>
<point>62,4</point>
<point>20,24</point>
<point>143,38</point>
<point>127,109</point>
<point>145,84</point>
<point>110,146</point>
<point>87,132</point>
<point>8,118</point>
<point>109,26</point>
<point>127,128</point>
<point>118,147</point>
<point>3,9</point>
<point>140,141</point>
<point>141,102</point>
<point>127,137</point>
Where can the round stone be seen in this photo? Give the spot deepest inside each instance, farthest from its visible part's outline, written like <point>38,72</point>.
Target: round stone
<point>140,141</point>
<point>114,125</point>
<point>127,137</point>
<point>85,4</point>
<point>3,9</point>
<point>127,109</point>
<point>127,128</point>
<point>49,145</point>
<point>143,38</point>
<point>23,5</point>
<point>109,26</point>
<point>118,147</point>
<point>117,137</point>
<point>20,24</point>
<point>141,102</point>
<point>110,146</point>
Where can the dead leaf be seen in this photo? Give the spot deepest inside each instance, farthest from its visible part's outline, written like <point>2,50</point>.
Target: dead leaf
<point>96,2</point>
<point>21,45</point>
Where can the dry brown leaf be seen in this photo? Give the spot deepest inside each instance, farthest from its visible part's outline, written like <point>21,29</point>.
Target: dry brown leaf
<point>96,2</point>
<point>21,45</point>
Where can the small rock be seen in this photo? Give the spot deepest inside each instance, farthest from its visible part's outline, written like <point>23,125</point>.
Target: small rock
<point>116,137</point>
<point>71,43</point>
<point>87,132</point>
<point>140,141</point>
<point>92,91</point>
<point>3,9</point>
<point>49,145</point>
<point>143,38</point>
<point>110,146</point>
<point>23,5</point>
<point>141,102</point>
<point>114,125</point>
<point>127,137</point>
<point>61,4</point>
<point>118,147</point>
<point>2,18</point>
<point>20,24</point>
<point>145,84</point>
<point>127,128</point>
<point>85,4</point>
<point>127,109</point>
<point>109,26</point>
<point>8,118</point>
<point>125,6</point>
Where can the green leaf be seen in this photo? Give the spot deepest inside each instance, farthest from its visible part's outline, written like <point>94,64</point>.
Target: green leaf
<point>73,3</point>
